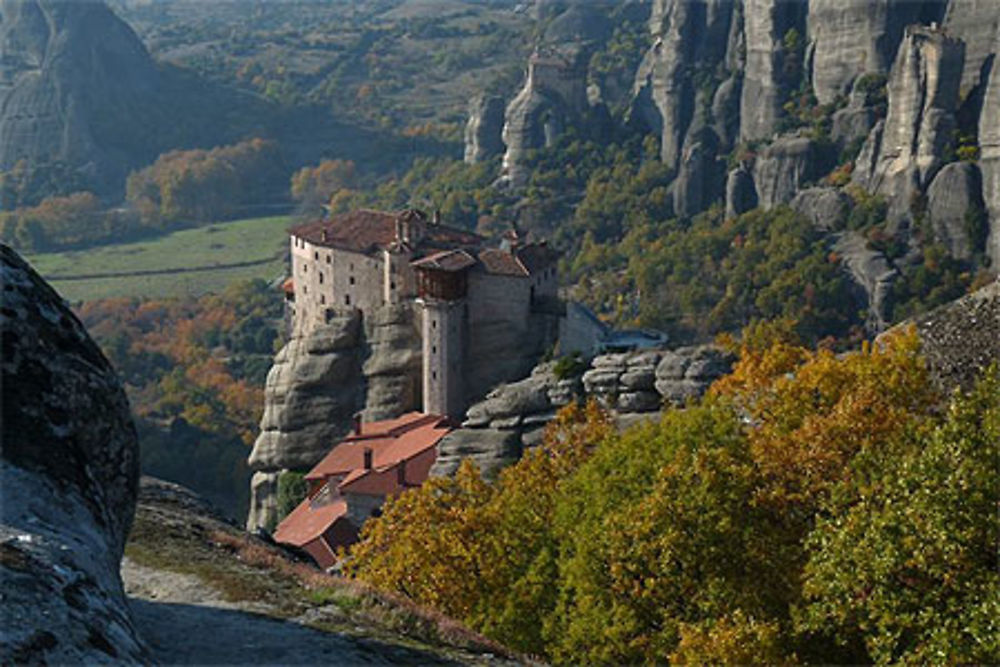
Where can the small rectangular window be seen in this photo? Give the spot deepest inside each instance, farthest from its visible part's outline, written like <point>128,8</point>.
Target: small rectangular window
<point>320,277</point>
<point>434,349</point>
<point>392,285</point>
<point>322,298</point>
<point>347,299</point>
<point>351,280</point>
<point>434,324</point>
<point>328,258</point>
<point>316,255</point>
<point>434,375</point>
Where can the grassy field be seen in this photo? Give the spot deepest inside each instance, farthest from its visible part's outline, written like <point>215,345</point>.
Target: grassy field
<point>192,261</point>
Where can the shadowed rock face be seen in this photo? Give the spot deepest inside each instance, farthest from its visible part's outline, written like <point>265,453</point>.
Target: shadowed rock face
<point>69,478</point>
<point>76,86</point>
<point>484,128</point>
<point>989,161</point>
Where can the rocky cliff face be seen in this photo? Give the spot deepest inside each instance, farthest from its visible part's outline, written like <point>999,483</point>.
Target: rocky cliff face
<point>69,478</point>
<point>512,417</point>
<point>76,87</point>
<point>919,130</point>
<point>484,128</point>
<point>989,158</point>
<point>318,382</point>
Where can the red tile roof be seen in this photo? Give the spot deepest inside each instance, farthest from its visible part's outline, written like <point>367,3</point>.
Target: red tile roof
<point>446,260</point>
<point>365,230</point>
<point>307,522</point>
<point>391,441</point>
<point>525,261</point>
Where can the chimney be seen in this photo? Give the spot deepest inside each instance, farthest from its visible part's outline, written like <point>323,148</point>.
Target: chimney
<point>324,233</point>
<point>369,455</point>
<point>401,473</point>
<point>357,423</point>
<point>437,217</point>
<point>399,230</point>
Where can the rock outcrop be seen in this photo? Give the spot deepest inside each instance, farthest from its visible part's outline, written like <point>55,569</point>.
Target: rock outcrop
<point>484,128</point>
<point>848,38</point>
<point>977,23</point>
<point>741,193</point>
<point>512,417</point>
<point>903,156</point>
<point>770,64</point>
<point>826,208</point>
<point>553,98</point>
<point>786,166</point>
<point>989,154</point>
<point>962,338</point>
<point>77,88</point>
<point>872,272</point>
<point>69,477</point>
<point>313,389</point>
<point>954,203</point>
<point>688,35</point>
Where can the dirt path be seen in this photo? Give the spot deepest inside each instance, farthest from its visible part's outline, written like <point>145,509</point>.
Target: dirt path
<point>184,621</point>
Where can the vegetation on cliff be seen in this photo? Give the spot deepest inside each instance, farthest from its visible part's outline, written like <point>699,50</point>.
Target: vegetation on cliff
<point>812,508</point>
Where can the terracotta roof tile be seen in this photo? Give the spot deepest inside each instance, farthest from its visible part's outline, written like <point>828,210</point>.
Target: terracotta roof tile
<point>365,230</point>
<point>446,260</point>
<point>501,262</point>
<point>306,522</point>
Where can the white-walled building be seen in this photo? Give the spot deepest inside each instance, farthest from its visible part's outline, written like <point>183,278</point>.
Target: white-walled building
<point>460,283</point>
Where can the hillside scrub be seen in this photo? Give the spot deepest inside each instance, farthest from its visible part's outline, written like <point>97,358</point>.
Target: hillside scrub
<point>768,522</point>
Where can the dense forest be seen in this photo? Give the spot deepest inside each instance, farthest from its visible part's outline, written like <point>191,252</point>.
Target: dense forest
<point>812,507</point>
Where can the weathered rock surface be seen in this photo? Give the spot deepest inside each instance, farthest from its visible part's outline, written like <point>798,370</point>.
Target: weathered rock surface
<point>76,87</point>
<point>511,418</point>
<point>766,80</point>
<point>849,38</point>
<point>688,35</point>
<point>392,369</point>
<point>484,129</point>
<point>901,158</point>
<point>69,478</point>
<point>553,98</point>
<point>873,274</point>
<point>826,208</point>
<point>786,166</point>
<point>962,338</point>
<point>699,180</point>
<point>312,391</point>
<point>953,198</point>
<point>989,155</point>
<point>741,193</point>
<point>975,22</point>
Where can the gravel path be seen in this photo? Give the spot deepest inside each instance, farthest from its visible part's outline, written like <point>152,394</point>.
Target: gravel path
<point>185,622</point>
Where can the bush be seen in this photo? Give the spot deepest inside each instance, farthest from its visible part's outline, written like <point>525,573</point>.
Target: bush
<point>292,489</point>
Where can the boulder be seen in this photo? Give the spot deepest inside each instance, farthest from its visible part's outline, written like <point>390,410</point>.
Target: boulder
<point>953,199</point>
<point>786,166</point>
<point>490,449</point>
<point>687,372</point>
<point>826,208</point>
<point>69,474</point>
<point>484,128</point>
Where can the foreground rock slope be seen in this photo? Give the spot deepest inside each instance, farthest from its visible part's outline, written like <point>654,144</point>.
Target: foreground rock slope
<point>69,476</point>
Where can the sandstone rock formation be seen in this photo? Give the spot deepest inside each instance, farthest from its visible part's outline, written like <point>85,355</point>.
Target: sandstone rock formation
<point>77,87</point>
<point>873,273</point>
<point>785,166</point>
<point>826,208</point>
<point>767,77</point>
<point>484,128</point>
<point>989,154</point>
<point>511,418</point>
<point>975,22</point>
<point>962,338</point>
<point>904,155</point>
<point>69,477</point>
<point>313,390</point>
<point>554,97</point>
<point>954,200</point>
<point>848,38</point>
<point>688,35</point>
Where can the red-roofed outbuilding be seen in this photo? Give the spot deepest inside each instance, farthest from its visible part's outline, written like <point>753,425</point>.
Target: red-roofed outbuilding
<point>377,460</point>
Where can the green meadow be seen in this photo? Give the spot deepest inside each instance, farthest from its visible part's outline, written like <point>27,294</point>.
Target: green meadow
<point>186,262</point>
